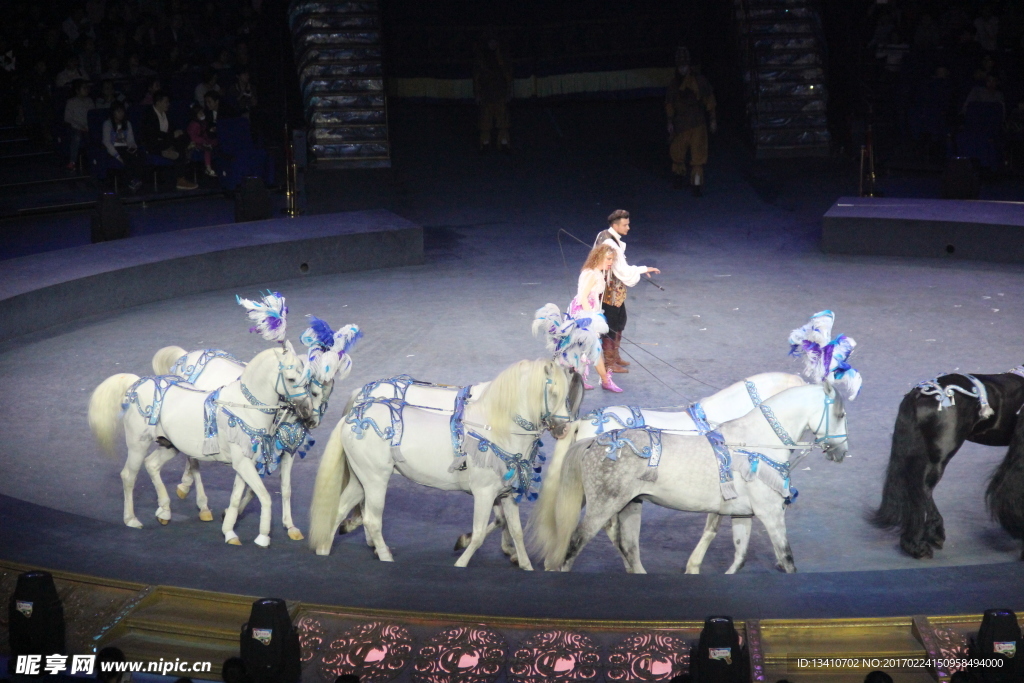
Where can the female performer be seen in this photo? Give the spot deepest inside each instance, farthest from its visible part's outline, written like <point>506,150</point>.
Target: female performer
<point>589,292</point>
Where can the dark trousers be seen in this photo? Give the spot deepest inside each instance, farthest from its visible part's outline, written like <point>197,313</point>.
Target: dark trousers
<point>133,163</point>
<point>616,317</point>
<point>178,144</point>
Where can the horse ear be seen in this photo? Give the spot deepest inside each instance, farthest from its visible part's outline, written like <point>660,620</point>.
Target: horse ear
<point>288,347</point>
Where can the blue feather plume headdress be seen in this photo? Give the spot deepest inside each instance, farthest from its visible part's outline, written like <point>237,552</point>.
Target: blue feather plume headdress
<point>572,342</point>
<point>270,316</point>
<point>825,359</point>
<point>328,357</point>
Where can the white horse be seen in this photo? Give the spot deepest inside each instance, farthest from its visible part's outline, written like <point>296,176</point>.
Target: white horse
<point>210,369</point>
<point>613,469</point>
<point>497,437</point>
<point>734,401</point>
<point>235,424</point>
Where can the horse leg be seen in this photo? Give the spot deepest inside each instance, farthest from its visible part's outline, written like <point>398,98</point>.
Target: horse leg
<point>768,508</point>
<point>202,502</point>
<point>186,478</point>
<point>154,462</point>
<point>710,531</point>
<point>628,537</point>
<point>245,467</point>
<point>374,493</point>
<point>483,501</point>
<point>514,527</point>
<point>740,542</point>
<point>596,516</point>
<point>287,460</point>
<point>231,513</point>
<point>130,472</point>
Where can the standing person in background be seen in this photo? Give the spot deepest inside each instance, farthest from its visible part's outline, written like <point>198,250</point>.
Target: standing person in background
<point>587,303</point>
<point>620,276</point>
<point>76,115</point>
<point>492,88</point>
<point>689,103</point>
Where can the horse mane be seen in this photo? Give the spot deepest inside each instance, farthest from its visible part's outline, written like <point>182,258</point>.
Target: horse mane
<point>500,401</point>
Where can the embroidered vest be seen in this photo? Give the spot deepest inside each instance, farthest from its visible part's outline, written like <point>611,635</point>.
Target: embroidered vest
<point>614,289</point>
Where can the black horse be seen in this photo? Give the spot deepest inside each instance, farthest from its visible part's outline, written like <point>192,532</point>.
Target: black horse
<point>1005,494</point>
<point>928,433</point>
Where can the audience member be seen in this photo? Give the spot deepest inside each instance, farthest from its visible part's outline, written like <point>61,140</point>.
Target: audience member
<point>119,140</point>
<point>242,92</point>
<point>877,677</point>
<point>70,73</point>
<point>76,115</point>
<point>36,114</point>
<point>197,130</point>
<point>138,70</point>
<point>114,71</point>
<point>158,138</point>
<point>110,655</point>
<point>108,95</point>
<point>989,92</point>
<point>223,61</point>
<point>216,109</point>
<point>89,60</point>
<point>152,89</point>
<point>347,678</point>
<point>233,671</point>
<point>987,29</point>
<point>208,84</point>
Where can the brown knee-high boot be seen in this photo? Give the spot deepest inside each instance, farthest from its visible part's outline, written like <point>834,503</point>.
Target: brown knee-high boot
<point>608,347</point>
<point>618,357</point>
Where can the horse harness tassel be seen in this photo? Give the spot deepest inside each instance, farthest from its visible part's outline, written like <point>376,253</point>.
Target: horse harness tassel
<point>946,396</point>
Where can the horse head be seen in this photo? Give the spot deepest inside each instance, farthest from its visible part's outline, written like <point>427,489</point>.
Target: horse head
<point>281,371</point>
<point>830,431</point>
<point>563,397</point>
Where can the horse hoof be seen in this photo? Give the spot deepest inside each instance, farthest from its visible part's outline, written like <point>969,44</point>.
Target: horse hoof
<point>165,522</point>
<point>205,516</point>
<point>262,541</point>
<point>323,552</point>
<point>462,542</point>
<point>295,534</point>
<point>134,523</point>
<point>234,541</point>
<point>182,492</point>
<point>514,560</point>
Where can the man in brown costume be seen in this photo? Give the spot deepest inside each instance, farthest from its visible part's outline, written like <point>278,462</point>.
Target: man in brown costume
<point>620,276</point>
<point>492,87</point>
<point>689,104</point>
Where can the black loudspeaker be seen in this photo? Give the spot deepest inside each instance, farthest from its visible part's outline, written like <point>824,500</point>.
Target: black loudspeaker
<point>998,638</point>
<point>718,657</point>
<point>270,644</point>
<point>253,201</point>
<point>109,219</point>
<point>36,616</point>
<point>960,179</point>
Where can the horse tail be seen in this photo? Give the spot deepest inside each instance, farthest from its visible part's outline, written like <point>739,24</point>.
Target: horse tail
<point>543,514</point>
<point>105,408</point>
<point>331,478</point>
<point>1005,493</point>
<point>903,492</point>
<point>554,537</point>
<point>165,358</point>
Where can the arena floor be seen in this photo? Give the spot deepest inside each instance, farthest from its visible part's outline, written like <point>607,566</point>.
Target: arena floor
<point>739,273</point>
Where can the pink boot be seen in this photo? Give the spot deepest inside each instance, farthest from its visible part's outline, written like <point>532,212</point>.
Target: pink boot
<point>586,376</point>
<point>610,385</point>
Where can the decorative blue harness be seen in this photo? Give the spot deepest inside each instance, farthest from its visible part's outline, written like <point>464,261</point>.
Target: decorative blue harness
<point>192,372</point>
<point>721,451</point>
<point>161,383</point>
<point>599,418</point>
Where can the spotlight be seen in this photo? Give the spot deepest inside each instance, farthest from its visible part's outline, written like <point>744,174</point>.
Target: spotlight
<point>35,616</point>
<point>718,657</point>
<point>270,644</point>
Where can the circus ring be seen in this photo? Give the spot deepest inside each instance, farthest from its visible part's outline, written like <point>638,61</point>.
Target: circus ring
<point>178,591</point>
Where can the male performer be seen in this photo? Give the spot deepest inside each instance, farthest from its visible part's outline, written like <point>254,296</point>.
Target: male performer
<point>492,87</point>
<point>620,276</point>
<point>689,96</point>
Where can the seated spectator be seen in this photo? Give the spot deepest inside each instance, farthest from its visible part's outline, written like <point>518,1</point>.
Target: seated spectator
<point>216,109</point>
<point>36,114</point>
<point>152,89</point>
<point>893,52</point>
<point>70,73</point>
<point>75,25</point>
<point>233,671</point>
<point>137,70</point>
<point>109,655</point>
<point>119,139</point>
<point>987,28</point>
<point>990,92</point>
<point>242,92</point>
<point>76,115</point>
<point>198,134</point>
<point>242,55</point>
<point>209,84</point>
<point>158,138</point>
<point>878,677</point>
<point>89,59</point>
<point>223,61</point>
<point>114,71</point>
<point>108,95</point>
